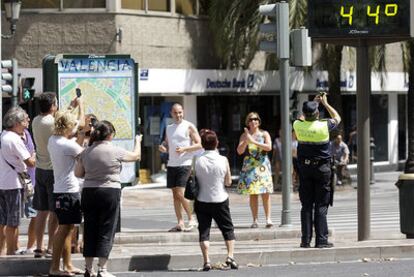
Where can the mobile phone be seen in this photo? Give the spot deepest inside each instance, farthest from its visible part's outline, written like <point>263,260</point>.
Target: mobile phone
<point>78,92</point>
<point>93,122</point>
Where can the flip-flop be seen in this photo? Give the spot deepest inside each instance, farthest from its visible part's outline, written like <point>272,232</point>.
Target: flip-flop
<point>177,228</point>
<point>61,274</point>
<point>76,271</point>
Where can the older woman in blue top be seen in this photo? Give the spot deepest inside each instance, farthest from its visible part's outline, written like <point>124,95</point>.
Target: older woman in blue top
<point>213,174</point>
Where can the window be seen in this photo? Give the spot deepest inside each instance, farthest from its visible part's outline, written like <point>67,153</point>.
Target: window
<point>159,5</point>
<point>79,4</point>
<point>153,5</point>
<point>133,4</point>
<point>67,4</point>
<point>45,4</point>
<point>186,7</point>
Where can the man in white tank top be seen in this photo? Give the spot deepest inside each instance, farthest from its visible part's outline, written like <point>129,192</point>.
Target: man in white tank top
<point>181,140</point>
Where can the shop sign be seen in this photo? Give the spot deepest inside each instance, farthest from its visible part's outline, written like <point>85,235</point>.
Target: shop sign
<point>235,83</point>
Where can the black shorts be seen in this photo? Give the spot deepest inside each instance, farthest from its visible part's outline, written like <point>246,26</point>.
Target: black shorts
<point>43,195</point>
<point>68,208</point>
<point>177,176</point>
<point>220,212</point>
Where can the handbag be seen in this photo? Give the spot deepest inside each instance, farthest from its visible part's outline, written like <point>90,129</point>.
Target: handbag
<point>26,181</point>
<point>192,187</point>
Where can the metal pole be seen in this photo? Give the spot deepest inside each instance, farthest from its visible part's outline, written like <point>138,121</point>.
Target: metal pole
<point>286,142</point>
<point>1,81</point>
<point>15,92</point>
<point>363,141</point>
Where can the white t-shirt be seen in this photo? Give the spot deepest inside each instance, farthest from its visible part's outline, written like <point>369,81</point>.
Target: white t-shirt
<point>15,152</point>
<point>179,135</point>
<point>63,153</point>
<point>211,169</point>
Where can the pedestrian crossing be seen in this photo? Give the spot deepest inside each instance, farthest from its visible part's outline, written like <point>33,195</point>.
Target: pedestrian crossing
<point>342,217</point>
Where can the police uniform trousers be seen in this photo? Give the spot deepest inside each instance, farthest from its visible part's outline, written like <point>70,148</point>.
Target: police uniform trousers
<point>314,194</point>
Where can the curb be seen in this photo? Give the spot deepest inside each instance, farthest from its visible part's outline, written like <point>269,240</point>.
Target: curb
<point>242,234</point>
<point>12,266</point>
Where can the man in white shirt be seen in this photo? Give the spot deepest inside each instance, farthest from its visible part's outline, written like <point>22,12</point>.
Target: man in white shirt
<point>181,140</point>
<point>14,159</point>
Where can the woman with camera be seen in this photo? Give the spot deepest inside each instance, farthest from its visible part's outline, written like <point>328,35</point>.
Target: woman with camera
<point>100,165</point>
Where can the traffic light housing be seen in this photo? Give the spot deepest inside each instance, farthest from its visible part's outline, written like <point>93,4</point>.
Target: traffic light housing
<point>9,77</point>
<point>27,91</point>
<point>10,80</point>
<point>279,29</point>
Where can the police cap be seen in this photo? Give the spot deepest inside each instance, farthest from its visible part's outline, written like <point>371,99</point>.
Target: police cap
<point>310,107</point>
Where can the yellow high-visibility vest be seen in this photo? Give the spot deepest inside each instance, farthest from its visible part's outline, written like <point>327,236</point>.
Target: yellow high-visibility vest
<point>314,132</point>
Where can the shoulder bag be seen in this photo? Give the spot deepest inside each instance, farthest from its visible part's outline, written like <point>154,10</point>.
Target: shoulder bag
<point>25,181</point>
<point>192,187</point>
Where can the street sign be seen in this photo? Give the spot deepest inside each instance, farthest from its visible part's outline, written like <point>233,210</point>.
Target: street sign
<point>351,19</point>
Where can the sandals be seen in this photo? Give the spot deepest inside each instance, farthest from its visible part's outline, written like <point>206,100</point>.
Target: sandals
<point>269,224</point>
<point>230,262</point>
<point>76,271</point>
<point>176,228</point>
<point>207,266</point>
<point>61,274</point>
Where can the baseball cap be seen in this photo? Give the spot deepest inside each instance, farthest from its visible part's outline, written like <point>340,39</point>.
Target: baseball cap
<point>310,107</point>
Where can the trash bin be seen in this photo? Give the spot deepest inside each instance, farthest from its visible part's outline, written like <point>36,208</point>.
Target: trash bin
<point>405,185</point>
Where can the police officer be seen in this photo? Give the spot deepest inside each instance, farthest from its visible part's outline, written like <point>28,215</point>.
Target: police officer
<point>315,169</point>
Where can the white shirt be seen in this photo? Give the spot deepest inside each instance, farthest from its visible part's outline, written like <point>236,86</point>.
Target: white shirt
<point>178,135</point>
<point>63,153</point>
<point>211,169</point>
<point>15,152</point>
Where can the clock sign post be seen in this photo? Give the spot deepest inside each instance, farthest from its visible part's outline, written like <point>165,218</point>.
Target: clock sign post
<point>361,23</point>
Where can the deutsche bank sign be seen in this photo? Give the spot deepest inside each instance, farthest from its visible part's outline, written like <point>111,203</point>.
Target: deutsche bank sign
<point>235,83</point>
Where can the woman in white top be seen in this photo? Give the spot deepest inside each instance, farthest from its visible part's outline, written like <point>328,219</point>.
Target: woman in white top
<point>64,149</point>
<point>213,174</point>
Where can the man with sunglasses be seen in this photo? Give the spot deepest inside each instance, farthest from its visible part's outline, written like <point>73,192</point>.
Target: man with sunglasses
<point>314,164</point>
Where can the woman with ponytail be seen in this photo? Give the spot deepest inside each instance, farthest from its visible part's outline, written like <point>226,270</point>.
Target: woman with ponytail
<point>100,165</point>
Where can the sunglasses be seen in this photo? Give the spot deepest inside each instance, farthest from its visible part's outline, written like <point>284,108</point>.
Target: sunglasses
<point>254,119</point>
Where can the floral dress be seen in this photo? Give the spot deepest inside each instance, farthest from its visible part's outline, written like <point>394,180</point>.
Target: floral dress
<point>256,175</point>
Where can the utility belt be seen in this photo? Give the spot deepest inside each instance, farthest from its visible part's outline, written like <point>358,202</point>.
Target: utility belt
<point>314,162</point>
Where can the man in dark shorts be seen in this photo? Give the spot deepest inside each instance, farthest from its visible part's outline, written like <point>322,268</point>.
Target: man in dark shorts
<point>181,140</point>
<point>42,126</point>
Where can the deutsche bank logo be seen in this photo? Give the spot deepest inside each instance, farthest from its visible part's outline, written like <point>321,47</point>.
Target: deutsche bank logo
<point>143,74</point>
<point>250,81</point>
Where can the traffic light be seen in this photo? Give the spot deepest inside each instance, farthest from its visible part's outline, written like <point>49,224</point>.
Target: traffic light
<point>9,78</point>
<point>27,91</point>
<point>279,29</point>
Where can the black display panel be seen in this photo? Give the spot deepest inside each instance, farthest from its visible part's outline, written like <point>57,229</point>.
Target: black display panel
<point>356,19</point>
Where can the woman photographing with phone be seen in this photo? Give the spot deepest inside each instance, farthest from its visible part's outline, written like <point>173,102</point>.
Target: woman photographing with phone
<point>100,165</point>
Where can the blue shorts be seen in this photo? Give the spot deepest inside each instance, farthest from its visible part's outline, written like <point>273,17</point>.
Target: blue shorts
<point>10,207</point>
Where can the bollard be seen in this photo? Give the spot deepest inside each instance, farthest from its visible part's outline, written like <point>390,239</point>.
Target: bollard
<point>371,159</point>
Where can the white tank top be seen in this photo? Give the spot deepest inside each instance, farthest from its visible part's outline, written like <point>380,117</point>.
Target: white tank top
<point>179,135</point>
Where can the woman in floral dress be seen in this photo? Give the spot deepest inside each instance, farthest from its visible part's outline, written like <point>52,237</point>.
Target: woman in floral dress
<point>256,176</point>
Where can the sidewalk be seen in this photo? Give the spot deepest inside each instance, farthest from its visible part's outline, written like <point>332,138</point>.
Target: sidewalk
<point>138,249</point>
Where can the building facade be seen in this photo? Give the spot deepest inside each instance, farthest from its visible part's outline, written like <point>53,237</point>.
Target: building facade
<point>171,41</point>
